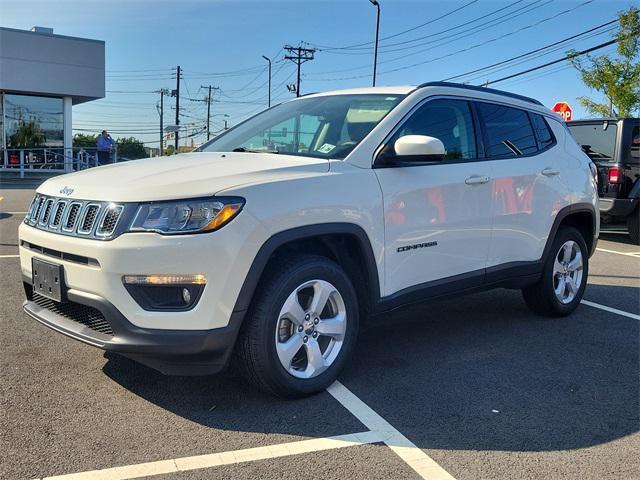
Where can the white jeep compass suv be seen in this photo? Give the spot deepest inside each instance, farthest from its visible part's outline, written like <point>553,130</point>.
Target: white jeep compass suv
<point>269,244</point>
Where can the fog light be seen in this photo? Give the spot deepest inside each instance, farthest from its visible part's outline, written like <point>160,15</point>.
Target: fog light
<point>186,295</point>
<point>165,279</point>
<point>168,292</point>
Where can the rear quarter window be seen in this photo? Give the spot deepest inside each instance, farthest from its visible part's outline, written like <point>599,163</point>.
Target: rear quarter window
<point>543,132</point>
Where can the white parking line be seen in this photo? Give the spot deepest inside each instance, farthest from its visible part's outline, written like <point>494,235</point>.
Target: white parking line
<point>611,310</point>
<point>9,256</point>
<point>413,456</point>
<point>628,254</point>
<point>225,458</point>
<point>16,213</point>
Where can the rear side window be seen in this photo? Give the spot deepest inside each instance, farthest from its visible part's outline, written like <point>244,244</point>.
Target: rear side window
<point>543,132</point>
<point>508,131</point>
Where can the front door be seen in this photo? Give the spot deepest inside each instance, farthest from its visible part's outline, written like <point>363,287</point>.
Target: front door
<point>437,216</point>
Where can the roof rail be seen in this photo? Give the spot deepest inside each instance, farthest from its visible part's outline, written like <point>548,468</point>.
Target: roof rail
<point>481,89</point>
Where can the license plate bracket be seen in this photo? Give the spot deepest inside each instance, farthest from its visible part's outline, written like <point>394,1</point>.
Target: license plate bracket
<point>48,280</point>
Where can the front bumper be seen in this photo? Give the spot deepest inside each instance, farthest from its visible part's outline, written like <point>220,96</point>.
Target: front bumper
<point>173,352</point>
<point>97,268</point>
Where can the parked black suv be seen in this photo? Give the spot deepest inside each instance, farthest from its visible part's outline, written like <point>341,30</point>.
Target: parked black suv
<point>613,144</point>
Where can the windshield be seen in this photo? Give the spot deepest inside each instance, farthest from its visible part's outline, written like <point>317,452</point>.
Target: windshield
<point>324,127</point>
<point>599,143</point>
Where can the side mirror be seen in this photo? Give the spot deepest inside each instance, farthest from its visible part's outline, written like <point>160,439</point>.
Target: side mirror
<point>419,148</point>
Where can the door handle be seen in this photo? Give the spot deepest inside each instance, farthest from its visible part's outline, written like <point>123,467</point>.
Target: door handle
<point>550,172</point>
<point>477,180</point>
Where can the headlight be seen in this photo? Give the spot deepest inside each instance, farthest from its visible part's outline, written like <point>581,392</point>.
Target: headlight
<point>186,216</point>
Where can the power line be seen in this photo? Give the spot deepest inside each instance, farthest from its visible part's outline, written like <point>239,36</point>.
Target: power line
<point>531,52</point>
<point>566,57</point>
<point>452,38</point>
<point>428,22</point>
<point>448,30</point>
<point>472,47</point>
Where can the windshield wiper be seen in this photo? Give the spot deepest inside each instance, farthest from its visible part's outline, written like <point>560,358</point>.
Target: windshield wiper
<point>249,150</point>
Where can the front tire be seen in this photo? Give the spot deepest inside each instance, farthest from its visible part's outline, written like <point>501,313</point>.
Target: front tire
<point>564,276</point>
<point>301,328</point>
<point>633,224</point>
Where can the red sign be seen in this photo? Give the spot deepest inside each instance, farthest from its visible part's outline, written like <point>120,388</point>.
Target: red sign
<point>564,110</point>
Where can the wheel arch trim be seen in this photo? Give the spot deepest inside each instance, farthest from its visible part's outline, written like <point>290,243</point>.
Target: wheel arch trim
<point>280,239</point>
<point>567,212</point>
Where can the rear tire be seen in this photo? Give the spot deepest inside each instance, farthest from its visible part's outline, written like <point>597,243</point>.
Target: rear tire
<point>564,276</point>
<point>633,224</point>
<point>301,327</point>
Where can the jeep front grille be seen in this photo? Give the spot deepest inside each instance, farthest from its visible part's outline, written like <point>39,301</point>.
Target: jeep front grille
<point>82,218</point>
<point>57,216</point>
<point>89,216</point>
<point>72,216</point>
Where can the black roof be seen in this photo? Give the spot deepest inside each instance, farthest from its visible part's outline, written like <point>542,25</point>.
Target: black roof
<point>481,89</point>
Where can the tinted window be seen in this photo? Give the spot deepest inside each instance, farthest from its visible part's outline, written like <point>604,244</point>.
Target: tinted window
<point>509,131</point>
<point>450,121</point>
<point>543,132</point>
<point>635,143</point>
<point>597,141</point>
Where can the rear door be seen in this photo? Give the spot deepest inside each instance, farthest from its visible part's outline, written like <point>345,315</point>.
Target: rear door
<point>528,191</point>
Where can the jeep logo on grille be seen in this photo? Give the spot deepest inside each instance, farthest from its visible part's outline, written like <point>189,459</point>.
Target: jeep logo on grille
<point>66,191</point>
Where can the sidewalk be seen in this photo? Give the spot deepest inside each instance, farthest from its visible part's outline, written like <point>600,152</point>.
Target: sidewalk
<point>30,180</point>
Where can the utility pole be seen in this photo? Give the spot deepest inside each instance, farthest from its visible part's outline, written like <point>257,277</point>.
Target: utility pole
<point>299,55</point>
<point>209,115</point>
<point>176,93</point>
<point>162,92</point>
<point>269,60</point>
<point>375,50</point>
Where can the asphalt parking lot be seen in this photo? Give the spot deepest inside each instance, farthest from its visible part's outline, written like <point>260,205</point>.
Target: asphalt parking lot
<point>474,388</point>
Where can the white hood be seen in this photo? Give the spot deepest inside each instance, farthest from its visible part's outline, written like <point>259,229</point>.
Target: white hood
<point>179,176</point>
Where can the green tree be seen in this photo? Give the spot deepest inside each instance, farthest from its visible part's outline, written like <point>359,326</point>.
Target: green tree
<point>170,150</point>
<point>617,78</point>
<point>131,148</point>
<point>83,140</point>
<point>27,135</point>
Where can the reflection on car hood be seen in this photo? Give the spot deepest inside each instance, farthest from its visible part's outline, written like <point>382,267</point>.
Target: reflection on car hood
<point>180,176</point>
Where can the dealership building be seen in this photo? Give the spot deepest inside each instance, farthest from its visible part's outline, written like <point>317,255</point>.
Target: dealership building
<point>42,75</point>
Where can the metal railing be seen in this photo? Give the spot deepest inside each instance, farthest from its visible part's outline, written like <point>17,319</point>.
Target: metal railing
<point>50,160</point>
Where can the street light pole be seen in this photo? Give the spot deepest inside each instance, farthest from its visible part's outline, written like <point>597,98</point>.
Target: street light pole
<point>375,50</point>
<point>269,60</point>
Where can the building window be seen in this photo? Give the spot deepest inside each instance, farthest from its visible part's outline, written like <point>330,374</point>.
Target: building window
<point>33,122</point>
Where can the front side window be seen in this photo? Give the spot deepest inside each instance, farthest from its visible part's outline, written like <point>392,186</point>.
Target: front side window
<point>508,131</point>
<point>450,121</point>
<point>324,127</point>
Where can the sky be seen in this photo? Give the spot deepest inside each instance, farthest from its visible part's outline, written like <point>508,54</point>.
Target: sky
<point>221,43</point>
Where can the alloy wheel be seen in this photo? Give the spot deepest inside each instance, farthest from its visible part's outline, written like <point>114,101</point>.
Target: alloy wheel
<point>311,329</point>
<point>567,272</point>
